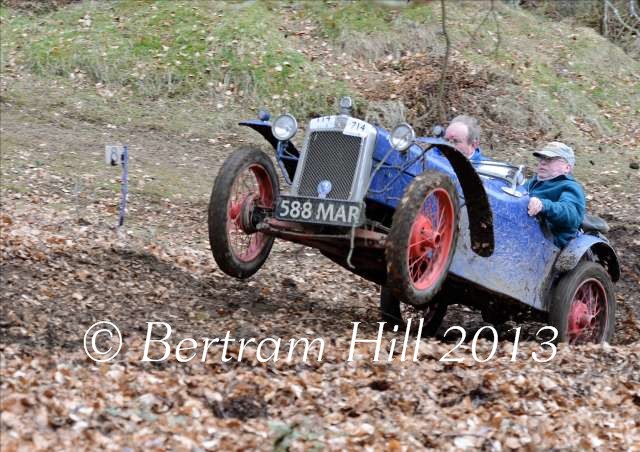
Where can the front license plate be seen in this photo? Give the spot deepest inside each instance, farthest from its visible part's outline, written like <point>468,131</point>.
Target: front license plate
<point>322,211</point>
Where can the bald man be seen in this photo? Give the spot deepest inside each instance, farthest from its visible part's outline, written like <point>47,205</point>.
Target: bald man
<point>464,133</point>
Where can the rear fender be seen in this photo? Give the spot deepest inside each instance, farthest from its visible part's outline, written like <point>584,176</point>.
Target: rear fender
<point>578,247</point>
<point>476,199</point>
<point>286,152</point>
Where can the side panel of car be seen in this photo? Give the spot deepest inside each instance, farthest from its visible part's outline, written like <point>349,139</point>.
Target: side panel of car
<point>390,180</point>
<point>522,256</point>
<point>393,172</point>
<point>522,261</point>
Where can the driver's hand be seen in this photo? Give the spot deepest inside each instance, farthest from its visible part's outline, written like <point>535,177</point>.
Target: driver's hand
<point>535,206</point>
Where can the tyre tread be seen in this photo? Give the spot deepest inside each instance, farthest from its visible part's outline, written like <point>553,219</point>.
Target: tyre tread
<point>217,212</point>
<point>402,223</point>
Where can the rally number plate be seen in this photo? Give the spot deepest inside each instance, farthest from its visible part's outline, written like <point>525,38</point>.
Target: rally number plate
<point>321,211</point>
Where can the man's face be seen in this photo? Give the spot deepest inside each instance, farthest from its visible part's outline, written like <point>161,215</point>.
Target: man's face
<point>550,167</point>
<point>458,135</point>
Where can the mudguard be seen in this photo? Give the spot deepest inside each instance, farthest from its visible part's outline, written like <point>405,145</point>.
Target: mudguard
<point>573,252</point>
<point>476,199</point>
<point>264,129</point>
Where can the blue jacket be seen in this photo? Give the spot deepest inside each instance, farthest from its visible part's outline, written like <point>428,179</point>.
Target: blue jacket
<point>563,205</point>
<point>477,156</point>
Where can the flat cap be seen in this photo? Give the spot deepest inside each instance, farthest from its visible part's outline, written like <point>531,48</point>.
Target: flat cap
<point>557,149</point>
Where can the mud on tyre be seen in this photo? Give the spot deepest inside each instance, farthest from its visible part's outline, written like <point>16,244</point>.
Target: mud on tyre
<point>422,240</point>
<point>583,307</point>
<point>246,183</point>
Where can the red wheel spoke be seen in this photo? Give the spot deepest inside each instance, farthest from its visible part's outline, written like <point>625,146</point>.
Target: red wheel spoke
<point>593,297</point>
<point>416,268</point>
<point>234,210</point>
<point>251,184</point>
<point>588,312</point>
<point>418,261</point>
<point>440,223</point>
<point>592,306</point>
<point>431,239</point>
<point>418,243</point>
<point>443,225</point>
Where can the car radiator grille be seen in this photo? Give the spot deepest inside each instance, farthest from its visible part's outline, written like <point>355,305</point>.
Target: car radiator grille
<point>330,156</point>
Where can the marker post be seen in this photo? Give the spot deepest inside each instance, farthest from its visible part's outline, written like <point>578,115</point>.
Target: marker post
<point>115,155</point>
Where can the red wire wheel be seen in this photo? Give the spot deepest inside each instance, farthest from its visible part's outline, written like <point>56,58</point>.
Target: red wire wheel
<point>583,307</point>
<point>430,240</point>
<point>422,240</point>
<point>588,312</point>
<point>247,181</point>
<point>251,188</point>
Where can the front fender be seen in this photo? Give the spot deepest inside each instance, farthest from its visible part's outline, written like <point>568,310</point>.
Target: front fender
<point>476,199</point>
<point>264,129</point>
<point>573,252</point>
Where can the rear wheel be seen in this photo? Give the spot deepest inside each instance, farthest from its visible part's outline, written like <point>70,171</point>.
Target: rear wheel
<point>246,183</point>
<point>583,308</point>
<point>422,240</point>
<point>396,313</point>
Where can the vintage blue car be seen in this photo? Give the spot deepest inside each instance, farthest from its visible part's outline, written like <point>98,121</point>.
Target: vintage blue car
<point>415,216</point>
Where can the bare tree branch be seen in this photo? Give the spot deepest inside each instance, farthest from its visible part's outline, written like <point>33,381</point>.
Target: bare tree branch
<point>605,19</point>
<point>494,14</point>
<point>475,30</point>
<point>445,63</point>
<point>632,9</point>
<point>617,14</point>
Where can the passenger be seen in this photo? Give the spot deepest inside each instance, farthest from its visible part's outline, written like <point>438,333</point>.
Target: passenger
<point>554,193</point>
<point>464,133</point>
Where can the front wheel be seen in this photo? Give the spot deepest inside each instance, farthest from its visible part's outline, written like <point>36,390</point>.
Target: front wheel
<point>247,183</point>
<point>422,240</point>
<point>583,307</point>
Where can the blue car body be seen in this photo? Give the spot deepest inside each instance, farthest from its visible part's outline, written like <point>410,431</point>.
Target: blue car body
<point>521,262</point>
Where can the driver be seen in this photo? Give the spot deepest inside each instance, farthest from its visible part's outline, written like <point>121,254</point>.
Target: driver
<point>554,193</point>
<point>464,133</point>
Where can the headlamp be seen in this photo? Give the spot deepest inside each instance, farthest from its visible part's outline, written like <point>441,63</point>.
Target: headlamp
<point>402,137</point>
<point>284,127</point>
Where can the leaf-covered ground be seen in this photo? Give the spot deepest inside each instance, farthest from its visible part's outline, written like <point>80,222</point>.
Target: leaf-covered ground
<point>64,267</point>
<point>61,275</point>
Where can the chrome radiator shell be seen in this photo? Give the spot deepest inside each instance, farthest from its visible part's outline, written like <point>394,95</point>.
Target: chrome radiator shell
<point>343,159</point>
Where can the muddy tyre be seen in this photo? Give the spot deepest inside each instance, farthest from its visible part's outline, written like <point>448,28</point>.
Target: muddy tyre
<point>246,180</point>
<point>396,313</point>
<point>422,240</point>
<point>583,307</point>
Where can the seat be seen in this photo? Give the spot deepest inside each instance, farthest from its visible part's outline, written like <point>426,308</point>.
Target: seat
<point>592,223</point>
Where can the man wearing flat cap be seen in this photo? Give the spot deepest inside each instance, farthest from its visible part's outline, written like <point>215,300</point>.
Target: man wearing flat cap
<point>555,195</point>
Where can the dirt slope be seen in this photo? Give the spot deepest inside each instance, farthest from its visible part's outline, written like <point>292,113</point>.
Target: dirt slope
<point>64,267</point>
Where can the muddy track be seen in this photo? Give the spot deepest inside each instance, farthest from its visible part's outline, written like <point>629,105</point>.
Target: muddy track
<point>64,267</point>
<point>79,274</point>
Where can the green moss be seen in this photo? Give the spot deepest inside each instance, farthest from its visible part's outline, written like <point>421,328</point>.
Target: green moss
<point>419,13</point>
<point>172,48</point>
<point>338,19</point>
<point>183,49</point>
